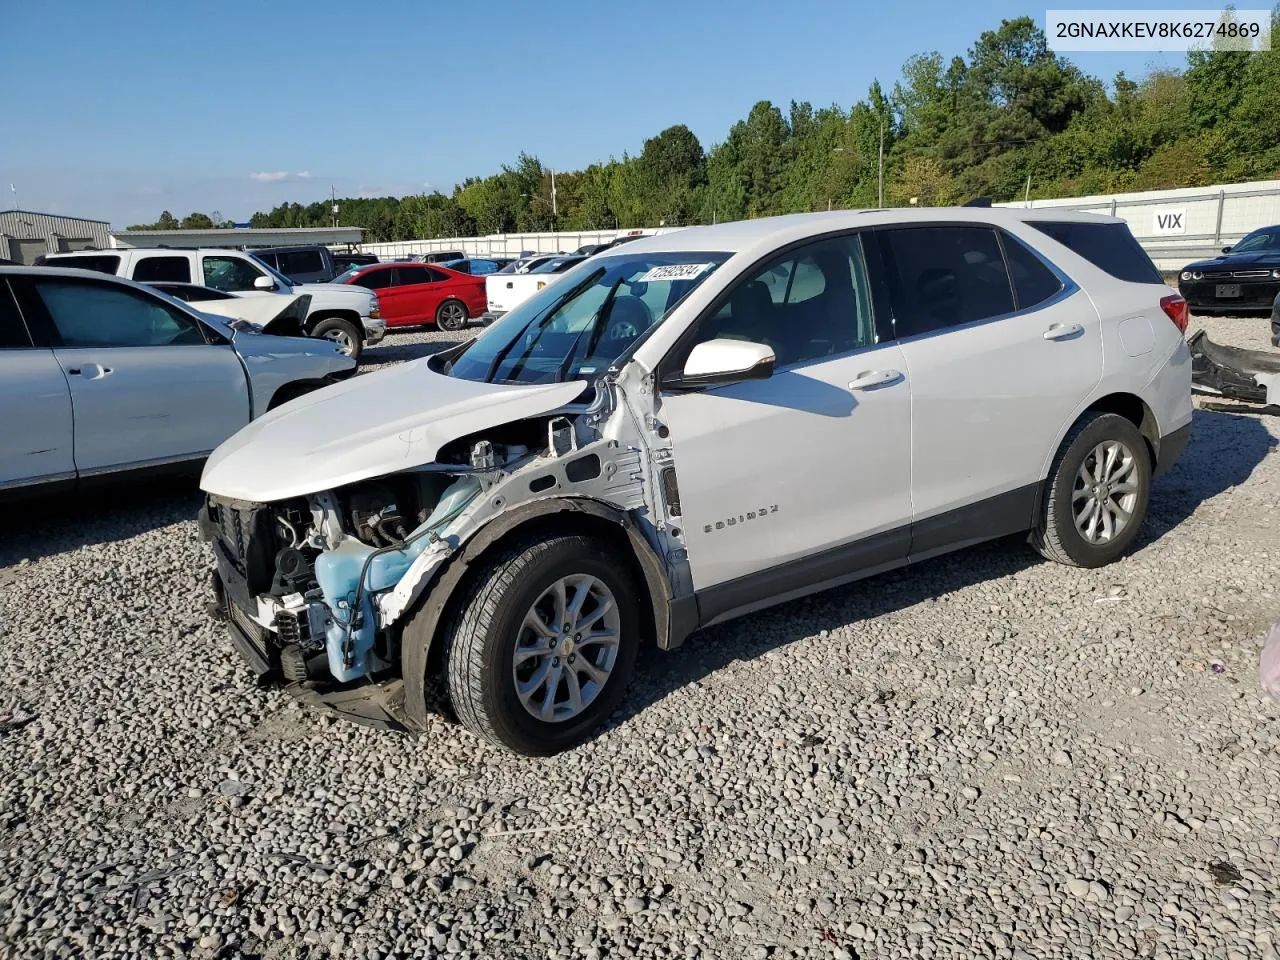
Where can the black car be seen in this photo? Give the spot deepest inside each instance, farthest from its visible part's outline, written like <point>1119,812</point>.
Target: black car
<point>1246,276</point>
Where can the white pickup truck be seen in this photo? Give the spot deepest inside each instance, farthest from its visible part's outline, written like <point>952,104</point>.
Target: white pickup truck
<point>347,315</point>
<point>505,291</point>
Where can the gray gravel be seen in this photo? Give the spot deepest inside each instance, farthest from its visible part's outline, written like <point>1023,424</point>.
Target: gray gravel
<point>983,756</point>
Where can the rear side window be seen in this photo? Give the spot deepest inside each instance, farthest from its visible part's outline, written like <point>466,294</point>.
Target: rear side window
<point>162,269</point>
<point>944,276</point>
<point>410,276</point>
<point>300,261</point>
<point>1108,246</point>
<point>103,263</point>
<point>1033,282</point>
<point>13,332</point>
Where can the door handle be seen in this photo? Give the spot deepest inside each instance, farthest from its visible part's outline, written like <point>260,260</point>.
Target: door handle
<point>874,378</point>
<point>90,371</point>
<point>1061,331</point>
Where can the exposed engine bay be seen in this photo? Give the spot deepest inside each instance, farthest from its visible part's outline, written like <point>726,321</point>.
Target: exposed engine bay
<point>316,585</point>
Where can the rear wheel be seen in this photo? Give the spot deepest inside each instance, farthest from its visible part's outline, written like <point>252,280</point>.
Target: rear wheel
<point>451,315</point>
<point>1098,493</point>
<point>343,333</point>
<point>544,644</point>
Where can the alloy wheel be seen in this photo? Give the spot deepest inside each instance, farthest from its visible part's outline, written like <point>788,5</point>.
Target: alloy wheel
<point>1105,492</point>
<point>566,648</point>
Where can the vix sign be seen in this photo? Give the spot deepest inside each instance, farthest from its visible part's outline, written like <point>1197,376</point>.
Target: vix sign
<point>1169,222</point>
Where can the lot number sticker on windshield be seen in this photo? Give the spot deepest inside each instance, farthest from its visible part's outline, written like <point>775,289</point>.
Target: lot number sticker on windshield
<point>673,271</point>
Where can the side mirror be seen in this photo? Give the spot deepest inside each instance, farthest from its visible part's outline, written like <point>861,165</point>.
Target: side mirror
<point>263,283</point>
<point>1226,249</point>
<point>718,362</point>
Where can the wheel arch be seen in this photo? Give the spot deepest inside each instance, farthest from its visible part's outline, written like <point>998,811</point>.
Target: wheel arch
<point>319,316</point>
<point>436,601</point>
<point>1128,405</point>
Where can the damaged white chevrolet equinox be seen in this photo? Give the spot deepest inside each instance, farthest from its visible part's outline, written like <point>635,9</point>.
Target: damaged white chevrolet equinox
<point>690,428</point>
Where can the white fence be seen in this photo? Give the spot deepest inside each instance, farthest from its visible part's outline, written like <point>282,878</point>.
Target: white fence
<point>1173,226</point>
<point>1177,226</point>
<point>505,244</point>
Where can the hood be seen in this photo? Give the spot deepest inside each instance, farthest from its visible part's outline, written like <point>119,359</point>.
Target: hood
<point>1238,261</point>
<point>281,316</point>
<point>372,425</point>
<point>333,288</point>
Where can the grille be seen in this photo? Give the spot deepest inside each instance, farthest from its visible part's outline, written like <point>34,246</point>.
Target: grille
<point>1238,275</point>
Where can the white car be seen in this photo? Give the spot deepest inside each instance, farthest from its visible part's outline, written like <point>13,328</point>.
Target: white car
<point>506,291</point>
<point>687,429</point>
<point>348,316</point>
<point>100,375</point>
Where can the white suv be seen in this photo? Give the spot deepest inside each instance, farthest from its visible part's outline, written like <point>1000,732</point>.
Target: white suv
<point>690,428</point>
<point>349,316</point>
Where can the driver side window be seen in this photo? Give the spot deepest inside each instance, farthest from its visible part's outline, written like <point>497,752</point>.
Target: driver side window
<point>90,315</point>
<point>809,303</point>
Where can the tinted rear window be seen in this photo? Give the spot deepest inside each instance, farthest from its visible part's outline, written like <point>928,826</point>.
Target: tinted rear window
<point>103,263</point>
<point>301,261</point>
<point>1108,246</point>
<point>152,269</point>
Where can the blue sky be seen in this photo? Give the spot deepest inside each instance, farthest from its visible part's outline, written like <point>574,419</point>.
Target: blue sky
<point>117,110</point>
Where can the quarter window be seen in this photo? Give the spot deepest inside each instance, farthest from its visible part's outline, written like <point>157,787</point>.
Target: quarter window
<point>1033,282</point>
<point>811,303</point>
<point>162,269</point>
<point>943,277</point>
<point>230,273</point>
<point>1108,246</point>
<point>90,315</point>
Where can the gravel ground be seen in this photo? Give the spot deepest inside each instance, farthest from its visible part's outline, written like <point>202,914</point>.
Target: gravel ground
<point>986,755</point>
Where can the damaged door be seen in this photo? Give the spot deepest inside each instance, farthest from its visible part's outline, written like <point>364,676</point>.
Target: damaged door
<point>804,477</point>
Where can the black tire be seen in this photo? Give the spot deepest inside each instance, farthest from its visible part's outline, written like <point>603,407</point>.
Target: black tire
<point>1056,535</point>
<point>347,335</point>
<point>481,643</point>
<point>452,315</point>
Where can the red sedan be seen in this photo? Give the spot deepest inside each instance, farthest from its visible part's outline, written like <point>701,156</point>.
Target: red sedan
<point>414,294</point>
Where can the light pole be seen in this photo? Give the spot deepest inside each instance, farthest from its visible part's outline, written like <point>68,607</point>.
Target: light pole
<point>834,150</point>
<point>880,174</point>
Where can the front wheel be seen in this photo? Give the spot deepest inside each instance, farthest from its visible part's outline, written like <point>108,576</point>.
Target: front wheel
<point>544,645</point>
<point>343,333</point>
<point>1098,493</point>
<point>451,315</point>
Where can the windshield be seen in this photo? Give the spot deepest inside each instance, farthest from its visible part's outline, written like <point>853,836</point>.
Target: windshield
<point>348,275</point>
<point>579,325</point>
<point>280,278</point>
<point>1268,239</point>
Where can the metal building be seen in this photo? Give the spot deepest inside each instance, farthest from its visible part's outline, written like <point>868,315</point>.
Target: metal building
<point>238,237</point>
<point>25,235</point>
